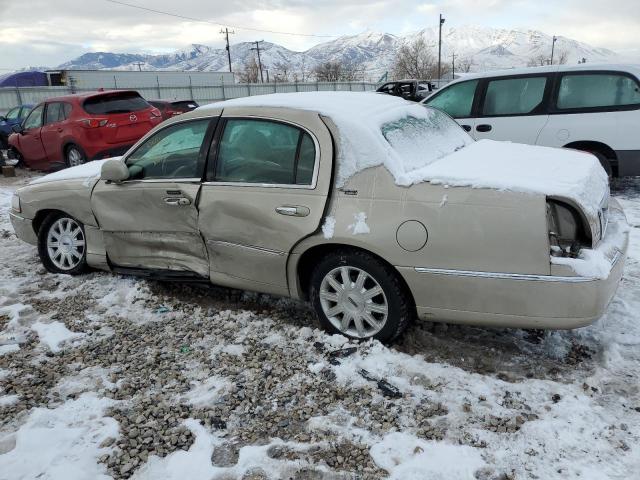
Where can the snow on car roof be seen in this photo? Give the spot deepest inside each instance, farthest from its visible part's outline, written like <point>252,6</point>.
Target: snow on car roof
<point>360,117</point>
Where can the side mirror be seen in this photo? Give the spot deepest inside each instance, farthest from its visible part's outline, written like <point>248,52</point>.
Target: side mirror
<point>17,128</point>
<point>114,171</point>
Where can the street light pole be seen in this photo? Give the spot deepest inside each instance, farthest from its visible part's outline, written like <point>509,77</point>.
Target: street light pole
<point>453,66</point>
<point>440,49</point>
<point>553,44</point>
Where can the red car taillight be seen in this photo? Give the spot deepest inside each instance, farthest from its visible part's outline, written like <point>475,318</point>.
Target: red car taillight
<point>155,112</point>
<point>94,122</point>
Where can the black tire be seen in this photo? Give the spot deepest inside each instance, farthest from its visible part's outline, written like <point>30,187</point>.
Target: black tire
<point>400,305</point>
<point>51,264</point>
<point>74,156</point>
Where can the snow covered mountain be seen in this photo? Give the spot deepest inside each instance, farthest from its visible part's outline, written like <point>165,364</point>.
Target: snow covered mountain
<point>480,48</point>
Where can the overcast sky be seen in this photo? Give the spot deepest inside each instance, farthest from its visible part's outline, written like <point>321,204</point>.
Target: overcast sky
<point>49,32</point>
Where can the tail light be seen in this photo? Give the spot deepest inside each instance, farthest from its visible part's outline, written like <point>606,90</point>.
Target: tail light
<point>155,112</point>
<point>94,122</point>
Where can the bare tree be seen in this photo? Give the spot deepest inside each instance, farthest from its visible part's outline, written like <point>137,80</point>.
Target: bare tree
<point>562,58</point>
<point>416,60</point>
<point>538,61</point>
<point>336,71</point>
<point>282,71</point>
<point>465,64</point>
<point>250,71</point>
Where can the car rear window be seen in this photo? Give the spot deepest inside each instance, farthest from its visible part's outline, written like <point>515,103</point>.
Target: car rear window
<point>421,140</point>
<point>185,104</point>
<point>119,102</point>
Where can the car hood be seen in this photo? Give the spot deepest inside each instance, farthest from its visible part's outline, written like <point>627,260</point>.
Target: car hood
<point>556,172</point>
<point>89,171</point>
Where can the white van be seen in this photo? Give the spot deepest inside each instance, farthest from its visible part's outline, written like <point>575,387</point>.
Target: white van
<point>595,108</point>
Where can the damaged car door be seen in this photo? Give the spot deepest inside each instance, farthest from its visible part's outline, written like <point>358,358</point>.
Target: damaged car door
<point>150,220</point>
<point>268,179</point>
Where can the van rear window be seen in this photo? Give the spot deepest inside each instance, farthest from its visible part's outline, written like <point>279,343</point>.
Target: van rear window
<point>118,102</point>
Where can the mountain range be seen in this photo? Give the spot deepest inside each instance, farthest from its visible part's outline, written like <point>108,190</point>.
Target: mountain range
<point>476,49</point>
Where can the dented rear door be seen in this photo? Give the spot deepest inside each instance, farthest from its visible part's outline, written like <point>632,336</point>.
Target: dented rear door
<point>256,203</point>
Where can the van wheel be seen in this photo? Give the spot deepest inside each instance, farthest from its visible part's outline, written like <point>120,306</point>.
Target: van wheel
<point>356,295</point>
<point>74,156</point>
<point>62,244</point>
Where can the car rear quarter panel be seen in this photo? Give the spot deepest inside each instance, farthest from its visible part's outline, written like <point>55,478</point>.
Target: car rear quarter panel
<point>467,228</point>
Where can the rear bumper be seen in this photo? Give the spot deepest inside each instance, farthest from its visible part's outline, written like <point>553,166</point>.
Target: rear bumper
<point>519,300</point>
<point>23,228</point>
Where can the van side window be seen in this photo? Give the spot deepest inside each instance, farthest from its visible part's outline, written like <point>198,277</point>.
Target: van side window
<point>455,100</point>
<point>514,96</point>
<point>597,90</point>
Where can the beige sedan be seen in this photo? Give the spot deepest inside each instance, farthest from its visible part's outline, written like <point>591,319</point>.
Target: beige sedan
<point>376,210</point>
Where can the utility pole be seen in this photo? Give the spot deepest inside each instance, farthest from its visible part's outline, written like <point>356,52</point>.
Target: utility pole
<point>453,66</point>
<point>258,42</point>
<point>226,32</point>
<point>440,49</point>
<point>553,44</point>
<point>139,64</point>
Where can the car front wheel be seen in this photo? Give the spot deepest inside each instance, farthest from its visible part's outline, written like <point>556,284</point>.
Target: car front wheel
<point>62,245</point>
<point>357,295</point>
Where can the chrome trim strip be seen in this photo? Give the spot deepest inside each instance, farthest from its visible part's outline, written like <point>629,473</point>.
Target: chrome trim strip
<point>504,276</point>
<point>248,247</point>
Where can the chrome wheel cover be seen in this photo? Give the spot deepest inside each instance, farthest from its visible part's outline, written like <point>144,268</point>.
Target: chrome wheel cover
<point>354,302</point>
<point>74,157</point>
<point>65,243</point>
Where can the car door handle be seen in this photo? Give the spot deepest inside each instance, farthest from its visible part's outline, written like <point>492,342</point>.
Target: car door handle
<point>293,210</point>
<point>467,128</point>
<point>483,128</point>
<point>177,201</point>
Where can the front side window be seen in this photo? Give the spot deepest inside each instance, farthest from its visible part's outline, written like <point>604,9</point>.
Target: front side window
<point>262,151</point>
<point>514,96</point>
<point>34,120</point>
<point>597,90</point>
<point>13,113</point>
<point>173,152</point>
<point>456,100</point>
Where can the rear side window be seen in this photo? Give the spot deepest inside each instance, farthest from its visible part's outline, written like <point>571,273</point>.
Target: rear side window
<point>456,100</point>
<point>514,96</point>
<point>597,90</point>
<point>34,120</point>
<point>260,151</point>
<point>118,102</point>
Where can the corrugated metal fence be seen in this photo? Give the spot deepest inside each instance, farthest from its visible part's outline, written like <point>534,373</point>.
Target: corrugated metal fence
<point>11,97</point>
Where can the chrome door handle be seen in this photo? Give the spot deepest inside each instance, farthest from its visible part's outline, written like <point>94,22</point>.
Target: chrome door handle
<point>177,201</point>
<point>293,211</point>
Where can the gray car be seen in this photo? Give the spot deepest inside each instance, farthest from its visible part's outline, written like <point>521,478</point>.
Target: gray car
<point>376,210</point>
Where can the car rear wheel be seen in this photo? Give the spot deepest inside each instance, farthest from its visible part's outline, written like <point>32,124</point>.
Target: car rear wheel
<point>357,295</point>
<point>62,245</point>
<point>75,156</point>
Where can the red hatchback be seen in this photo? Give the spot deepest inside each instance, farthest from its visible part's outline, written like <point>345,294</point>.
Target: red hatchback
<point>70,130</point>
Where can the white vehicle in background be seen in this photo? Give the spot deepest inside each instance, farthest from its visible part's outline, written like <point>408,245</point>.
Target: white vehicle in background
<point>586,107</point>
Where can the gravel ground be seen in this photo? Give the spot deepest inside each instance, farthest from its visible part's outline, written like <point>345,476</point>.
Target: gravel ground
<point>108,376</point>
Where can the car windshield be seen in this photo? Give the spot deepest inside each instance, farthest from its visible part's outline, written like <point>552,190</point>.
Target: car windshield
<point>422,139</point>
<point>118,102</point>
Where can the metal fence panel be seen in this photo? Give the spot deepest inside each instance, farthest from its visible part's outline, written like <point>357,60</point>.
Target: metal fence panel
<point>11,97</point>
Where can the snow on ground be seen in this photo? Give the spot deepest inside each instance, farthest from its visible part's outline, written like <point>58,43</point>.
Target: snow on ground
<point>173,381</point>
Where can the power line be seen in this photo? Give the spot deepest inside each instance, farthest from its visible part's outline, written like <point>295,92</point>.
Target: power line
<point>185,17</point>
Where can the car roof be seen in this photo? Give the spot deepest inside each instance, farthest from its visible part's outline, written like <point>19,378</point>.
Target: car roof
<point>630,68</point>
<point>85,95</point>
